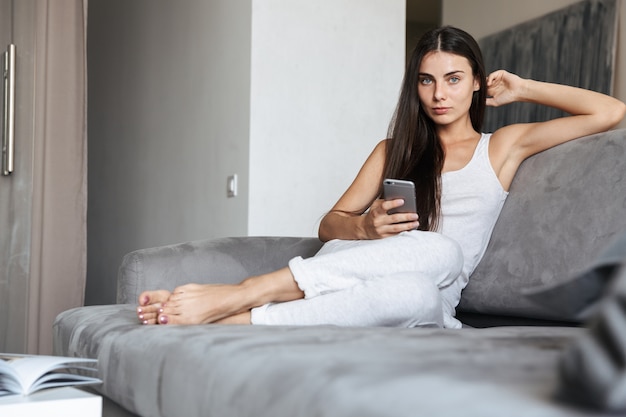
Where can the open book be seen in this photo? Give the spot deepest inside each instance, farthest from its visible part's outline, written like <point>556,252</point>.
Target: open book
<point>25,374</point>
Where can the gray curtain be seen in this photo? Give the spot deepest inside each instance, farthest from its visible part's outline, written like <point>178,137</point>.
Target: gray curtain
<point>574,46</point>
<point>58,255</point>
<point>43,204</point>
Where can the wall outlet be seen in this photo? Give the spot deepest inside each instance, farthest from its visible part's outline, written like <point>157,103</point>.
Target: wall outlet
<point>231,186</point>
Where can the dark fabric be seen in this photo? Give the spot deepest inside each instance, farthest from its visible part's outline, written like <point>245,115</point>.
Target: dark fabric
<point>577,298</point>
<point>593,369</point>
<point>580,36</point>
<point>481,321</point>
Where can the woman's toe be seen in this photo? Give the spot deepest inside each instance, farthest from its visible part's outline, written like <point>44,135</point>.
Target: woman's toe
<point>153,297</point>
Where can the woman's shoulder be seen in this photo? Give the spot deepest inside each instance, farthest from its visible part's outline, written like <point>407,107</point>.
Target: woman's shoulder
<point>378,155</point>
<point>381,148</point>
<point>509,131</point>
<point>508,136</point>
<point>504,153</point>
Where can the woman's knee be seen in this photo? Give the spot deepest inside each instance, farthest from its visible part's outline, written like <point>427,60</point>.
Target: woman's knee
<point>443,252</point>
<point>417,301</point>
<point>443,244</point>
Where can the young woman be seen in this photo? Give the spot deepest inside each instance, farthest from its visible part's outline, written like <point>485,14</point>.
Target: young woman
<point>380,269</point>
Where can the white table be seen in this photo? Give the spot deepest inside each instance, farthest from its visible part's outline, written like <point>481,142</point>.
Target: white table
<point>55,402</point>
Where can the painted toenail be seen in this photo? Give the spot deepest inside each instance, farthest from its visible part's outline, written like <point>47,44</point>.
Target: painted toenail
<point>163,319</point>
<point>145,322</point>
<point>139,310</point>
<point>141,317</point>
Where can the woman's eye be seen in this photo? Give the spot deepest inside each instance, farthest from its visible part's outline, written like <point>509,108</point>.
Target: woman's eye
<point>426,81</point>
<point>454,80</point>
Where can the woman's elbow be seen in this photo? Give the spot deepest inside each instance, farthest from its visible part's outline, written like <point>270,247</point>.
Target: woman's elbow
<point>339,225</point>
<point>322,231</point>
<point>616,115</point>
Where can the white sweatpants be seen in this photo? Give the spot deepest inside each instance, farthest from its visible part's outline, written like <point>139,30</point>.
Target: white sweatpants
<point>392,282</point>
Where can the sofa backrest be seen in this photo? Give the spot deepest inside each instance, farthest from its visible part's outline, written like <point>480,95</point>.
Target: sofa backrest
<point>222,260</point>
<point>565,205</point>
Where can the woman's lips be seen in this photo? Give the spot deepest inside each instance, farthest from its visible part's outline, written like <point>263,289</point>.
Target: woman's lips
<point>441,110</point>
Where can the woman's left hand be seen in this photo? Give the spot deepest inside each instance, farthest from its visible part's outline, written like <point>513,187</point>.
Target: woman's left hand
<point>503,88</point>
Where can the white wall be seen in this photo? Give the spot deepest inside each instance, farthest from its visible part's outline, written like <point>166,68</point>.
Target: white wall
<point>290,95</point>
<point>485,17</point>
<point>169,90</point>
<point>325,79</point>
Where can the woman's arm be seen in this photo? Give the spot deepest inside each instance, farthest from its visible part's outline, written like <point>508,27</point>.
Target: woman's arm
<point>591,112</point>
<point>359,214</point>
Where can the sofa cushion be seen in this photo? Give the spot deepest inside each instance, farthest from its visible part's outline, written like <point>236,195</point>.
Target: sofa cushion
<point>565,206</point>
<point>318,370</point>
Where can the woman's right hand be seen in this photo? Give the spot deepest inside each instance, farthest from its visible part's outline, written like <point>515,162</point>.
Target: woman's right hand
<point>360,213</point>
<point>378,224</point>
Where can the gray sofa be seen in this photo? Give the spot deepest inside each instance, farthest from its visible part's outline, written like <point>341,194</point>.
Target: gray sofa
<point>522,308</point>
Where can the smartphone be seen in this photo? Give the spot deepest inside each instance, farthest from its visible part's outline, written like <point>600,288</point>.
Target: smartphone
<point>394,189</point>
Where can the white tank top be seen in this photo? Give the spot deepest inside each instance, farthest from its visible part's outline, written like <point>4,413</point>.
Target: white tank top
<point>471,201</point>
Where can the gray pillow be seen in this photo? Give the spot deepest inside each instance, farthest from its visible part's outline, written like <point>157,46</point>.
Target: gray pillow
<point>577,298</point>
<point>565,205</point>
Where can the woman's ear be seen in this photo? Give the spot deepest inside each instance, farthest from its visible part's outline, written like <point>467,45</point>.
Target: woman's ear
<point>476,84</point>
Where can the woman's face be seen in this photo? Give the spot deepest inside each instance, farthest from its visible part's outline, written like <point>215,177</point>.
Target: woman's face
<point>446,84</point>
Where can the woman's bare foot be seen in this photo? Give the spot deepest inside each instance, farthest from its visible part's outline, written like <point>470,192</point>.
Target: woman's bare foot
<point>200,304</point>
<point>213,303</point>
<point>149,304</point>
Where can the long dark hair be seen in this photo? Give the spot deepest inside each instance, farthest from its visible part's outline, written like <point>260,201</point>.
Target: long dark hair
<point>414,151</point>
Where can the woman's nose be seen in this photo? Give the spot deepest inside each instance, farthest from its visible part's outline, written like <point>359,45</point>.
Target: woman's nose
<point>440,93</point>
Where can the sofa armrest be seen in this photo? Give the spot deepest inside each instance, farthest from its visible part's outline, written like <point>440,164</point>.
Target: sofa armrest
<point>224,260</point>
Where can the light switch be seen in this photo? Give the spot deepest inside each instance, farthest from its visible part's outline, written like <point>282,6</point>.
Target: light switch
<point>231,186</point>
